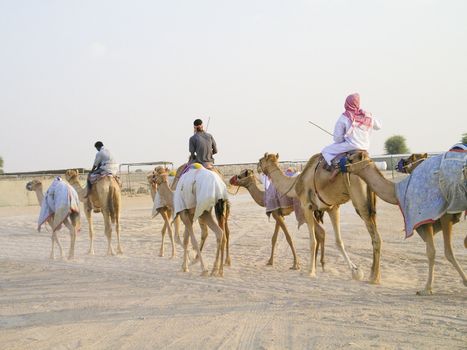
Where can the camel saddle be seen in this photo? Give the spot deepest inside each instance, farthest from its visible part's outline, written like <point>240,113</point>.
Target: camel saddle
<point>338,164</point>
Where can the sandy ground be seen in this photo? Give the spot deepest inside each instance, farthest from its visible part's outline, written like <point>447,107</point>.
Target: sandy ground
<point>143,301</point>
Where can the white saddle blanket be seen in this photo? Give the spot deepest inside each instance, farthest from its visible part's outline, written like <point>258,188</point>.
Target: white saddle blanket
<point>59,201</point>
<point>159,202</point>
<point>436,187</point>
<point>200,189</point>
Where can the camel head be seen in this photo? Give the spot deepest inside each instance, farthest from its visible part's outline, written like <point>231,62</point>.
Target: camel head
<point>409,164</point>
<point>358,161</point>
<point>159,175</point>
<point>244,179</point>
<point>268,162</point>
<point>34,185</point>
<point>71,175</point>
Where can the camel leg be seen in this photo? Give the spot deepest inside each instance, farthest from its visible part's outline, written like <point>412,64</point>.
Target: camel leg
<point>361,201</point>
<point>186,240</point>
<point>228,261</point>
<point>427,236</point>
<point>71,228</point>
<point>177,228</point>
<point>204,234</point>
<point>88,214</point>
<point>273,244</point>
<point>117,230</point>
<point>218,267</point>
<point>161,251</point>
<point>55,240</point>
<point>310,222</point>
<point>108,231</point>
<point>171,235</point>
<point>320,237</point>
<point>280,220</point>
<point>334,215</point>
<point>446,223</point>
<point>187,219</point>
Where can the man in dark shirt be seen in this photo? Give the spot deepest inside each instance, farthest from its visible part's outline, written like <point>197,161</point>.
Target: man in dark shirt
<point>202,146</point>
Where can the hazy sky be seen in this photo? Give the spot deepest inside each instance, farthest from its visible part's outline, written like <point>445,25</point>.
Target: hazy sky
<point>135,74</point>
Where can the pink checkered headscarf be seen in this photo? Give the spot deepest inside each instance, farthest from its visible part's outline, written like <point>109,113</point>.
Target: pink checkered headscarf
<point>354,113</point>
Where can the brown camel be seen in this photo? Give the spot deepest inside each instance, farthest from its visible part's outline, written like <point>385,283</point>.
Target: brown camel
<point>160,181</point>
<point>319,189</point>
<point>361,165</point>
<point>247,179</point>
<point>106,195</point>
<point>166,213</point>
<point>71,222</point>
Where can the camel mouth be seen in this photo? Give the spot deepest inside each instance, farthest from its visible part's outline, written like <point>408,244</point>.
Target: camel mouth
<point>234,180</point>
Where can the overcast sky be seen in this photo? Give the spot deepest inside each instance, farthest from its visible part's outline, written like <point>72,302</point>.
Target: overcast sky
<point>135,74</point>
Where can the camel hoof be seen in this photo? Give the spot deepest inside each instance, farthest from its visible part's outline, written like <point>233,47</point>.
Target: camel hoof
<point>425,292</point>
<point>91,252</point>
<point>205,273</point>
<point>269,263</point>
<point>195,260</point>
<point>185,269</point>
<point>357,275</point>
<point>295,267</point>
<point>312,274</point>
<point>161,254</point>
<point>228,262</point>
<point>120,251</point>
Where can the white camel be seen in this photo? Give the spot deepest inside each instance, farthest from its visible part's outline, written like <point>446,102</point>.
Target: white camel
<point>71,222</point>
<point>198,191</point>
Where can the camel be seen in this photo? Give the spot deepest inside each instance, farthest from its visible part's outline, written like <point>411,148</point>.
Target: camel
<point>196,193</point>
<point>361,165</point>
<point>160,181</point>
<point>71,222</point>
<point>166,213</point>
<point>247,179</point>
<point>319,189</point>
<point>105,194</point>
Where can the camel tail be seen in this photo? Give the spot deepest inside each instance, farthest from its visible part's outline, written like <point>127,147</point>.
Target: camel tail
<point>221,209</point>
<point>113,203</point>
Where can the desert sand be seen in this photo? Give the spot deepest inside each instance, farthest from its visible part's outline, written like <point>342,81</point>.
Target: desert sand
<point>143,301</point>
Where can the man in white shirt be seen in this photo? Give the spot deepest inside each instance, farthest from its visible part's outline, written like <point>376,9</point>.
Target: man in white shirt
<point>352,131</point>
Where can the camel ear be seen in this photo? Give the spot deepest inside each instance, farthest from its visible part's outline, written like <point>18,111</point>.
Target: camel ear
<point>425,155</point>
<point>277,155</point>
<point>265,154</point>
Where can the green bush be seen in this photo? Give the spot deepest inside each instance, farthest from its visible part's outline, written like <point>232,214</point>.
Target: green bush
<point>396,145</point>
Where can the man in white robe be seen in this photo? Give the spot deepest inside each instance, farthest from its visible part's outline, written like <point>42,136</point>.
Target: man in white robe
<point>352,131</point>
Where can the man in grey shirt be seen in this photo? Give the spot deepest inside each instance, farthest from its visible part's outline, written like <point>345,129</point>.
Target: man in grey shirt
<point>202,146</point>
<point>103,164</point>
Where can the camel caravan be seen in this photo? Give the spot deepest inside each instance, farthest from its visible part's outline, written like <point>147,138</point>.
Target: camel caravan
<point>432,198</point>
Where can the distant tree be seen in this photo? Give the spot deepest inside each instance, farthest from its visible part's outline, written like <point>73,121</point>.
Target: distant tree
<point>464,138</point>
<point>396,145</point>
<point>1,165</point>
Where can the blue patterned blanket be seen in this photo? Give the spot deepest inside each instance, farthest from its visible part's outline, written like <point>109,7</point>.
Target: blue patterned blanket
<point>436,187</point>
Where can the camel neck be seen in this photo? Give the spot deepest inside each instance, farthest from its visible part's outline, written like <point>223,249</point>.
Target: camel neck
<point>166,193</point>
<point>384,189</point>
<point>256,193</point>
<point>39,195</point>
<point>284,184</point>
<point>79,189</point>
